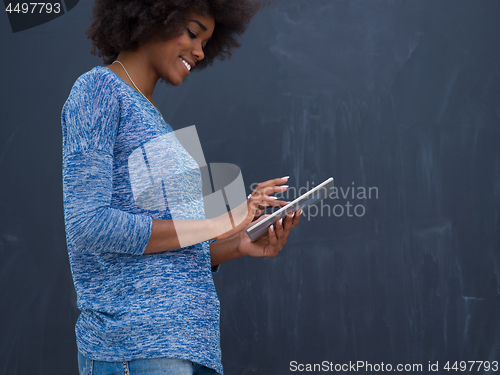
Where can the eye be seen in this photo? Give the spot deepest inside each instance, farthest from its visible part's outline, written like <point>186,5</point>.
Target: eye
<point>192,35</point>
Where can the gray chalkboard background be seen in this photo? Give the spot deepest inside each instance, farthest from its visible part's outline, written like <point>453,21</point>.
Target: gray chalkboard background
<point>399,96</point>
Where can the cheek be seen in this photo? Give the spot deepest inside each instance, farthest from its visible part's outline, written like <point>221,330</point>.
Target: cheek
<point>182,42</point>
<point>176,41</point>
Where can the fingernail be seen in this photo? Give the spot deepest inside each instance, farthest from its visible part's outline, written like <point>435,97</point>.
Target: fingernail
<point>273,197</point>
<point>272,228</point>
<point>286,177</point>
<point>249,195</point>
<point>281,221</point>
<point>285,186</point>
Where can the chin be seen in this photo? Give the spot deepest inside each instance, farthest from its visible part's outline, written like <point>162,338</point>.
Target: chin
<point>176,82</point>
<point>173,82</point>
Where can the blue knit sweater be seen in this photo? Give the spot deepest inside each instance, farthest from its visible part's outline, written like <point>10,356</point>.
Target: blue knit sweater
<point>132,305</point>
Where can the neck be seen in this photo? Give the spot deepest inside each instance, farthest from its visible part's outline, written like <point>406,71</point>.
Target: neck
<point>145,79</point>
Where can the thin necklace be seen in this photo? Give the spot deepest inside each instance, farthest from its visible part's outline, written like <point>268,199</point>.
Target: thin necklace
<point>137,88</point>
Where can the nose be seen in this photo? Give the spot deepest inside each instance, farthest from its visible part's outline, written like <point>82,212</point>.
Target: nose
<point>198,52</point>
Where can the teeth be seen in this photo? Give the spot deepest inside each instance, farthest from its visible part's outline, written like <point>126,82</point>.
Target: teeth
<point>186,63</point>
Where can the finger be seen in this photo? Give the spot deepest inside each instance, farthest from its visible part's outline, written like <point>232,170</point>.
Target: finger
<point>259,194</point>
<point>273,241</point>
<point>289,221</point>
<point>279,229</point>
<point>256,208</point>
<point>273,182</point>
<point>280,233</point>
<point>274,204</point>
<point>287,226</point>
<point>270,187</point>
<point>296,218</point>
<point>278,203</point>
<point>266,194</point>
<point>261,206</point>
<point>262,201</point>
<point>266,200</point>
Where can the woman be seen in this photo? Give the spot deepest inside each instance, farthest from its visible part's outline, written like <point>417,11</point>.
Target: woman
<point>147,304</point>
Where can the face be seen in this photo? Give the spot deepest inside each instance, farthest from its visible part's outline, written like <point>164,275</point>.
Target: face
<point>173,59</point>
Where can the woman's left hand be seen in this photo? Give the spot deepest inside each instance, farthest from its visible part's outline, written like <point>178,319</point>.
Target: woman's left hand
<point>270,244</point>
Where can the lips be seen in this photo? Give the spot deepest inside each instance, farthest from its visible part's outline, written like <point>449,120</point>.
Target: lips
<point>187,64</point>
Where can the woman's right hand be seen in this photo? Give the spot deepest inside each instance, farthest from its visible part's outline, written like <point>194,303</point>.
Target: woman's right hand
<point>255,205</point>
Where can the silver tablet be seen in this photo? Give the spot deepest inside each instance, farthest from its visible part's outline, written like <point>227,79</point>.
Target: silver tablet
<point>301,203</point>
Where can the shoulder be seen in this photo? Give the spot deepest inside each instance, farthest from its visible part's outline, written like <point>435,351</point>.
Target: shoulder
<point>97,80</point>
<point>91,114</point>
<point>99,86</point>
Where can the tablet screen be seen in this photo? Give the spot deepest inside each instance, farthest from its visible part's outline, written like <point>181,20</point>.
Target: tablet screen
<point>301,203</point>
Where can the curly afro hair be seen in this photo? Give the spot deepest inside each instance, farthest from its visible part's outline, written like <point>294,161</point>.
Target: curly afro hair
<point>121,25</point>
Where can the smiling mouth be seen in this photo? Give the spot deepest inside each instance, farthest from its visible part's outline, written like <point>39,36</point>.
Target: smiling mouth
<point>186,63</point>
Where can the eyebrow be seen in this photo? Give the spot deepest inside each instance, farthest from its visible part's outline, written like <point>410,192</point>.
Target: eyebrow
<point>203,27</point>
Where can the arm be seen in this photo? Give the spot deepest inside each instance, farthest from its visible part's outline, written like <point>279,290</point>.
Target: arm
<point>90,120</point>
<point>164,234</point>
<point>93,225</point>
<point>173,234</point>
<point>240,245</point>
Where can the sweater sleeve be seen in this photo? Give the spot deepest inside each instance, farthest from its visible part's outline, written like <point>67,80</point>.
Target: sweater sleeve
<point>90,120</point>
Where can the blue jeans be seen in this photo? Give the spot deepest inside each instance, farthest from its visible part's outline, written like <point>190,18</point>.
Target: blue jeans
<point>155,366</point>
